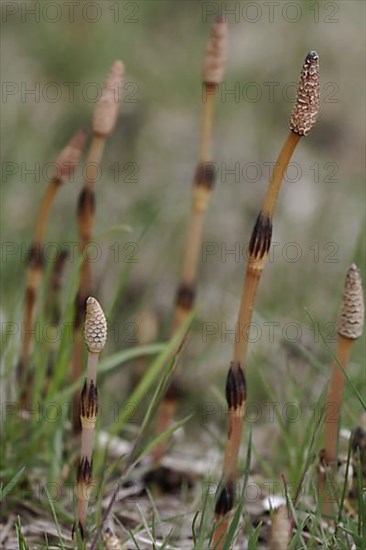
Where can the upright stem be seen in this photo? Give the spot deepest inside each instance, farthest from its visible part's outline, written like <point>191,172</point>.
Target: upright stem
<point>201,195</point>
<point>350,327</point>
<point>302,120</point>
<point>278,173</point>
<point>259,246</point>
<point>66,163</point>
<point>208,103</point>
<point>104,119</point>
<point>334,400</point>
<point>95,338</point>
<point>212,76</point>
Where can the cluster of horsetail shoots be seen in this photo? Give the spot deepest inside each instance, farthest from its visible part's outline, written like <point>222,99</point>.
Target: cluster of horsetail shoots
<point>95,336</point>
<point>104,120</point>
<point>65,165</point>
<point>302,120</point>
<point>349,328</point>
<point>212,75</point>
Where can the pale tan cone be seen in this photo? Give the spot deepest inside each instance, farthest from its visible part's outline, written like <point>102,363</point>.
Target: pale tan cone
<point>352,310</point>
<point>216,54</point>
<point>305,111</point>
<point>106,110</point>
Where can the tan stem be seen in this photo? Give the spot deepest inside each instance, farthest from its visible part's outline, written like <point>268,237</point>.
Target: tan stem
<point>278,173</point>
<point>250,287</point>
<point>33,281</point>
<point>235,427</point>
<point>207,122</point>
<point>332,423</point>
<point>220,532</point>
<point>88,421</point>
<point>44,210</point>
<point>94,158</point>
<point>76,362</point>
<point>66,162</point>
<point>180,315</point>
<point>82,506</point>
<point>334,400</point>
<point>93,359</point>
<point>258,250</point>
<point>87,441</point>
<point>200,201</point>
<point>193,246</point>
<point>85,224</point>
<point>164,420</point>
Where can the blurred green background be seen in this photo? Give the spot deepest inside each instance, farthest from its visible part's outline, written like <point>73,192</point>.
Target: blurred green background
<point>162,44</point>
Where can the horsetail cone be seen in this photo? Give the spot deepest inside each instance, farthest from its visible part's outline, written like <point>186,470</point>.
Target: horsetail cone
<point>95,332</point>
<point>69,158</point>
<point>352,310</point>
<point>305,111</point>
<point>216,54</point>
<point>106,110</point>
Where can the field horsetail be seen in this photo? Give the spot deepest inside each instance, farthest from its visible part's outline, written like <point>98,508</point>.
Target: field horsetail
<point>212,76</point>
<point>104,120</point>
<point>302,120</point>
<point>95,337</point>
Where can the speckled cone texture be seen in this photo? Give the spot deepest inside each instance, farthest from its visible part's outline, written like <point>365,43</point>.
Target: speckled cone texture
<point>306,109</point>
<point>95,332</point>
<point>69,158</point>
<point>216,53</point>
<point>106,110</point>
<point>352,311</point>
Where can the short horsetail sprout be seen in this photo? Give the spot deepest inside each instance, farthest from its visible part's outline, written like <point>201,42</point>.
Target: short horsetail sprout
<point>111,542</point>
<point>95,336</point>
<point>212,74</point>
<point>65,165</point>
<point>104,120</point>
<point>280,529</point>
<point>349,328</point>
<point>303,119</point>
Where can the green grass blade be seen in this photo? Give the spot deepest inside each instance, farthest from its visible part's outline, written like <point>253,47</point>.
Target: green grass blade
<point>12,483</point>
<point>22,543</point>
<point>55,518</point>
<point>154,371</point>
